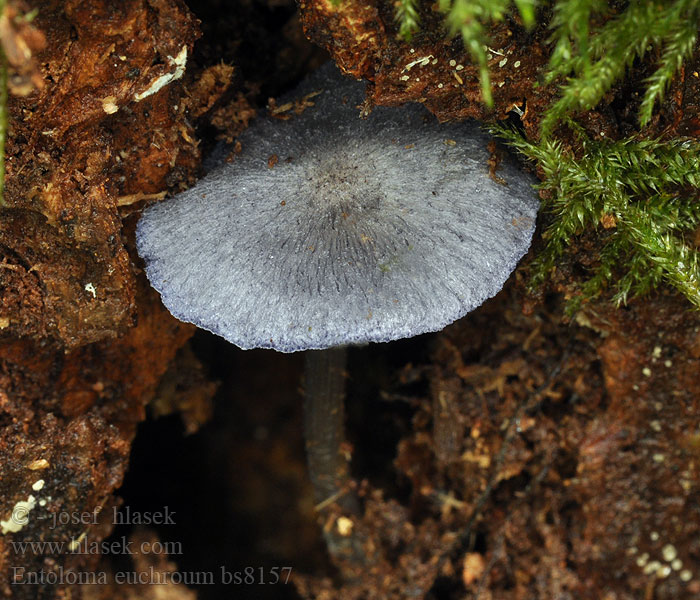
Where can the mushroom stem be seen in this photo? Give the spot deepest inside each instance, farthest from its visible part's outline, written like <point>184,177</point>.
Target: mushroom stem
<point>324,424</point>
<point>329,468</point>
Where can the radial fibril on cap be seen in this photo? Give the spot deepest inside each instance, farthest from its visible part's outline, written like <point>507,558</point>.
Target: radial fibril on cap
<point>363,229</point>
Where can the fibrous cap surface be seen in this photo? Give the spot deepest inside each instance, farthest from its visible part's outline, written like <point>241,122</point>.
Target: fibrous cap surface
<point>364,230</point>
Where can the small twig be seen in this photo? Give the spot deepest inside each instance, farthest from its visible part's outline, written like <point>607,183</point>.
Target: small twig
<point>330,500</point>
<point>133,198</point>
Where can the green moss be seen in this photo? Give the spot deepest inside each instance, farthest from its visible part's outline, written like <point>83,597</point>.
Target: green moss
<point>647,190</point>
<point>407,17</point>
<point>594,61</point>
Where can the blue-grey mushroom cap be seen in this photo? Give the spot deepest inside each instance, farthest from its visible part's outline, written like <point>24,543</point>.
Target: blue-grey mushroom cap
<point>365,230</point>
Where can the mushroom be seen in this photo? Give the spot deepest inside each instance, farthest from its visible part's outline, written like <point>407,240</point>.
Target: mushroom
<point>329,230</point>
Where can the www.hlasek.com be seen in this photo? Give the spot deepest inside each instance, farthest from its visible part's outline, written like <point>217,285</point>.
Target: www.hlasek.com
<point>151,576</point>
<point>83,545</point>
